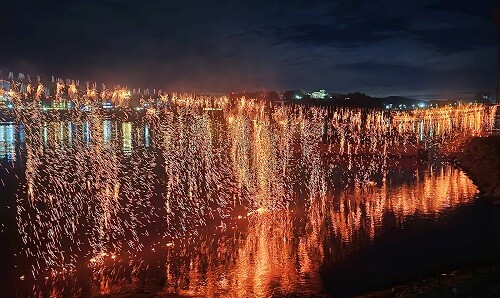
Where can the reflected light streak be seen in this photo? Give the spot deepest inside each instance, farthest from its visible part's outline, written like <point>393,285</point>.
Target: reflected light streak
<point>104,194</point>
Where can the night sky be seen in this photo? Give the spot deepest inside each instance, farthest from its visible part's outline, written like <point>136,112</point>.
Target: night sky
<point>413,48</point>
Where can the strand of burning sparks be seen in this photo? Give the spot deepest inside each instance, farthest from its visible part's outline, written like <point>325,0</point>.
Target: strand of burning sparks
<point>78,182</point>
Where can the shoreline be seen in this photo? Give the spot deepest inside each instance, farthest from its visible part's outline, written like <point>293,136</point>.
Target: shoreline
<point>480,160</point>
<point>475,281</point>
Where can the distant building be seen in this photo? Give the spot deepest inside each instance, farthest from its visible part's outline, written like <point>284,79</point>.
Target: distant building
<point>321,94</point>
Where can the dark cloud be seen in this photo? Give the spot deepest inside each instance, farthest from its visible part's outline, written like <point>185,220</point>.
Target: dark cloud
<point>382,47</point>
<point>365,22</point>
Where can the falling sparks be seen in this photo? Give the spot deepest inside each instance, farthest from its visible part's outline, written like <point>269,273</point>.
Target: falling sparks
<point>100,190</point>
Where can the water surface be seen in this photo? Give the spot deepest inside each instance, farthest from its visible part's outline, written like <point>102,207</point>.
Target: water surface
<point>204,204</point>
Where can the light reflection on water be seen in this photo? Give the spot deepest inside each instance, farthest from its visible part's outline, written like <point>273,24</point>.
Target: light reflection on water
<point>200,205</point>
<point>281,251</point>
<point>8,140</point>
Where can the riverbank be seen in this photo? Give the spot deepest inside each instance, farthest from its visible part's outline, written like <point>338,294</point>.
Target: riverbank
<point>480,281</point>
<point>480,159</point>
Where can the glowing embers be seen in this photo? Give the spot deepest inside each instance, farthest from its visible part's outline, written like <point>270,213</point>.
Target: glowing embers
<point>81,196</point>
<point>96,185</point>
<point>127,137</point>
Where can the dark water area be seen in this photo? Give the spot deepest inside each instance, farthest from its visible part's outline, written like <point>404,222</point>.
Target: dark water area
<point>202,205</point>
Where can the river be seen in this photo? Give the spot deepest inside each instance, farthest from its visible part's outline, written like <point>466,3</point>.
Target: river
<point>202,204</point>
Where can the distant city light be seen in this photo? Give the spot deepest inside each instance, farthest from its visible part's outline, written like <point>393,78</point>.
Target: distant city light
<point>321,94</point>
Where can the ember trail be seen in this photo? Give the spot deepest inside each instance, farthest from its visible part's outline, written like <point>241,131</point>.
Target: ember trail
<point>100,190</point>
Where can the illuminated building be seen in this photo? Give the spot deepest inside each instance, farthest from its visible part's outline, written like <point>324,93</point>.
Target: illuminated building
<point>321,94</point>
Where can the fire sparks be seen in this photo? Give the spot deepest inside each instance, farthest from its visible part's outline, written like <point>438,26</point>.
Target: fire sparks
<point>100,190</point>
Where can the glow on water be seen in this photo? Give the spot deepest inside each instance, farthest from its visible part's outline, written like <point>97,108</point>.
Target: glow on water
<point>237,201</point>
